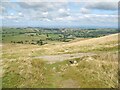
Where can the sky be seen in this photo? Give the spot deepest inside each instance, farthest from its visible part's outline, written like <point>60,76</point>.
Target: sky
<point>59,13</point>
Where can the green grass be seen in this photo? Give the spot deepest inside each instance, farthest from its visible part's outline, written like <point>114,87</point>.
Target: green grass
<point>100,72</point>
<point>22,70</point>
<point>34,74</point>
<point>89,75</point>
<point>23,34</point>
<point>8,39</point>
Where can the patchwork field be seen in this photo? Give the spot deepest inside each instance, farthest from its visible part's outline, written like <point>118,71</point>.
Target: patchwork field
<point>80,63</point>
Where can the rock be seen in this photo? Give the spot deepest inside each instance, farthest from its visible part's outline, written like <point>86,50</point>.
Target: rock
<point>74,64</point>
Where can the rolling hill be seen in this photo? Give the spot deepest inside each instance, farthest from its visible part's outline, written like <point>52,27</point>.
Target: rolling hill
<point>24,65</point>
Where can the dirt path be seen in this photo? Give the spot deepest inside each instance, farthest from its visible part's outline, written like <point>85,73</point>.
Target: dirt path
<point>69,84</point>
<point>61,57</point>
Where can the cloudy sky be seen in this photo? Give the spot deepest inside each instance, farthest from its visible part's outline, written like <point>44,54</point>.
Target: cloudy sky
<point>60,13</point>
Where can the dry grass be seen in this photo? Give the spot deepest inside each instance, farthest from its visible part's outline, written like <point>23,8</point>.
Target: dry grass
<point>102,44</point>
<point>98,71</point>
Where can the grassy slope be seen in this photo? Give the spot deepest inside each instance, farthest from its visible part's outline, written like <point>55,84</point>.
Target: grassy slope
<point>102,44</point>
<point>21,70</point>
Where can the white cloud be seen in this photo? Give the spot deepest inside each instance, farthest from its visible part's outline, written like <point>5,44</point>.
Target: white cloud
<point>61,10</point>
<point>42,11</point>
<point>1,17</point>
<point>46,19</point>
<point>102,5</point>
<point>10,17</point>
<point>58,19</point>
<point>70,18</point>
<point>45,13</point>
<point>20,13</point>
<point>11,14</point>
<point>95,0</point>
<point>66,0</point>
<point>43,0</point>
<point>102,18</point>
<point>84,11</point>
<point>2,9</point>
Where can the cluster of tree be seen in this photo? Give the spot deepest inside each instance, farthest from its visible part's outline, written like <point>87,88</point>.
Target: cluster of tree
<point>51,34</point>
<point>37,42</point>
<point>21,42</point>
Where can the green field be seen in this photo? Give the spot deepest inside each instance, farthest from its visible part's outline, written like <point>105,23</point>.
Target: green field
<point>32,35</point>
<point>59,58</point>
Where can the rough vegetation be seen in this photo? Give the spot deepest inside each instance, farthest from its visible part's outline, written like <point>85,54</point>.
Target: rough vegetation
<point>24,65</point>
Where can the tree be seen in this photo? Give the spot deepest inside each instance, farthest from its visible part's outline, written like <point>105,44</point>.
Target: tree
<point>40,42</point>
<point>47,35</point>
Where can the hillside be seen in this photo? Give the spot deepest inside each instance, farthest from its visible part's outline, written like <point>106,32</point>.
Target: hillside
<point>90,63</point>
<point>99,40</point>
<point>101,44</point>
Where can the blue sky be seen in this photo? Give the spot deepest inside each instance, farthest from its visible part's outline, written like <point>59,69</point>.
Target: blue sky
<point>59,14</point>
